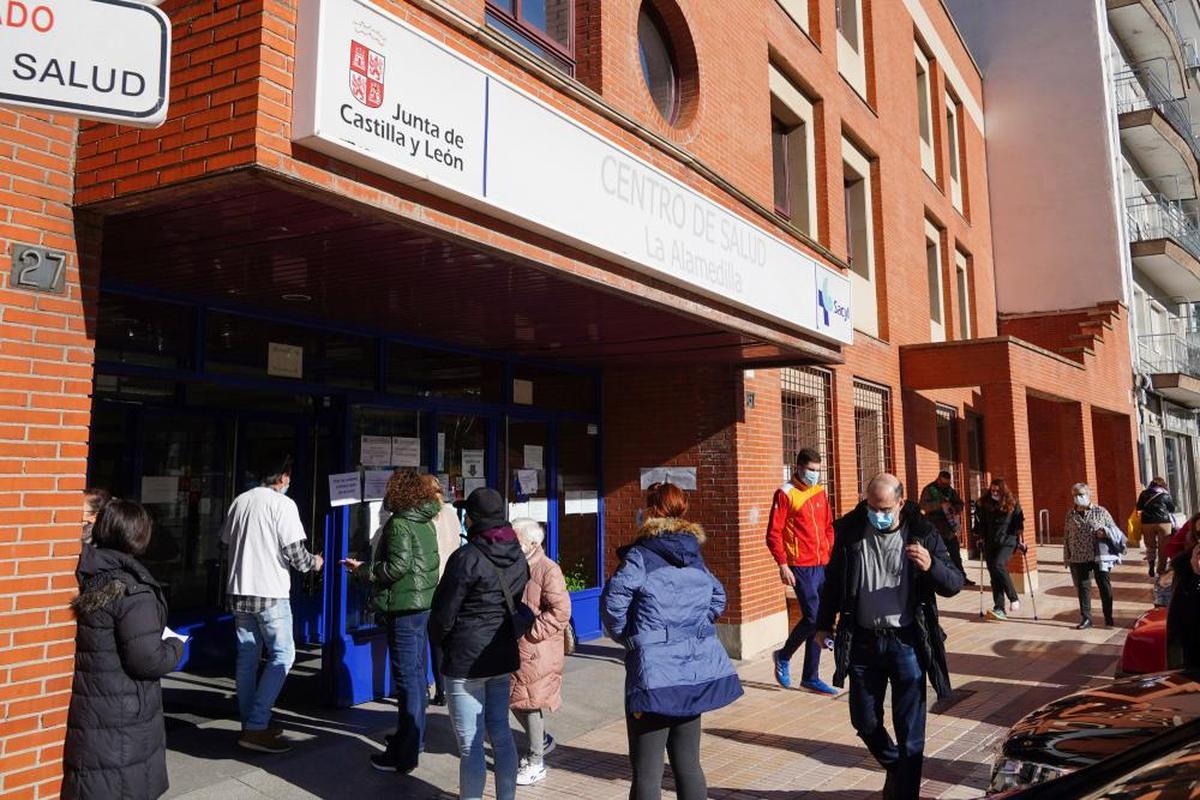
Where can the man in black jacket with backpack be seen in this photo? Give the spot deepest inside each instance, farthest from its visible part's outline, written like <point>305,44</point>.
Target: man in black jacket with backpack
<point>888,563</point>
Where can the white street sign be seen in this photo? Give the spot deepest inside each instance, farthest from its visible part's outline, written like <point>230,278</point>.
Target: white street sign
<point>107,60</point>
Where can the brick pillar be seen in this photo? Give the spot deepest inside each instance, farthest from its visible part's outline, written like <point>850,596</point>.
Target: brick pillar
<point>45,383</point>
<point>1006,449</point>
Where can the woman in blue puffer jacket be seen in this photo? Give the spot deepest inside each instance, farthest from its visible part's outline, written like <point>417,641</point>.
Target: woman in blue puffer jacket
<point>662,605</point>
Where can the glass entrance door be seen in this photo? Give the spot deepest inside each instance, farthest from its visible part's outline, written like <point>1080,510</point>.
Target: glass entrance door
<point>525,486</point>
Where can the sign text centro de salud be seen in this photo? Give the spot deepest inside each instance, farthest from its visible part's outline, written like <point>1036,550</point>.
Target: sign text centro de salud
<point>106,60</point>
<point>374,92</point>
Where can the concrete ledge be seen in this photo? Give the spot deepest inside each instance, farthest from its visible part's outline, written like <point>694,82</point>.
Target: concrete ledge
<point>749,639</point>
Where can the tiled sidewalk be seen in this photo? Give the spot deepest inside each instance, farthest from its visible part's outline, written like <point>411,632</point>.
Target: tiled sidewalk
<point>775,744</point>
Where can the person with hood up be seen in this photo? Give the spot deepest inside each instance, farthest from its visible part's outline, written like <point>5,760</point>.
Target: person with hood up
<point>116,745</point>
<point>471,621</point>
<point>537,685</point>
<point>403,572</point>
<point>662,605</point>
<point>888,565</point>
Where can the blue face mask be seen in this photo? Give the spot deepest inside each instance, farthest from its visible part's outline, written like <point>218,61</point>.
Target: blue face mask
<point>883,520</point>
<point>283,489</point>
<point>811,477</point>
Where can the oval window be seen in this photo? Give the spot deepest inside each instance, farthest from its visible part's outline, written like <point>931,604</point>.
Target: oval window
<point>658,63</point>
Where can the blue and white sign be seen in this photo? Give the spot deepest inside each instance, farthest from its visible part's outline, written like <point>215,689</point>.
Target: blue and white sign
<point>375,92</point>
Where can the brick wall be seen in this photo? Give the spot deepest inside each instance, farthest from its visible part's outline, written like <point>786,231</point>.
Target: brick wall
<point>45,383</point>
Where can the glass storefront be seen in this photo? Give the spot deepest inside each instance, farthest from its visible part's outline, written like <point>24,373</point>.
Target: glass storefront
<point>186,408</point>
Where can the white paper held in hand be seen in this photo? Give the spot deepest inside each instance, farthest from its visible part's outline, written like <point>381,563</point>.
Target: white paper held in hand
<point>170,634</point>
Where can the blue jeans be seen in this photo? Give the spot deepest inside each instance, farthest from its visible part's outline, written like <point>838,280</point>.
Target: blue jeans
<point>876,659</point>
<point>256,693</point>
<point>809,581</point>
<point>408,645</point>
<point>476,703</point>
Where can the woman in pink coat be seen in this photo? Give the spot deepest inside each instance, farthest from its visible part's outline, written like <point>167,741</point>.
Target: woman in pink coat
<point>537,685</point>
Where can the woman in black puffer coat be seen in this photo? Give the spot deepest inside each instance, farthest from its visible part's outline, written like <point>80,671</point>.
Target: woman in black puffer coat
<point>116,745</point>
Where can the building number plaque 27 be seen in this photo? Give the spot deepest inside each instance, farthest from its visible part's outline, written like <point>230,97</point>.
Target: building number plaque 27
<point>38,269</point>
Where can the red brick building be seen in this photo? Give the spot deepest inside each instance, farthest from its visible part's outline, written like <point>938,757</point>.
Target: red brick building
<point>539,251</point>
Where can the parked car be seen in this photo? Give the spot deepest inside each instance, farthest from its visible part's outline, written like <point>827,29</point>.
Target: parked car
<point>1145,648</point>
<point>1164,767</point>
<point>1088,727</point>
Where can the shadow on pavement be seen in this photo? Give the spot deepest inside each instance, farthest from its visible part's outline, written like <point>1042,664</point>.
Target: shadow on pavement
<point>955,773</point>
<point>717,793</point>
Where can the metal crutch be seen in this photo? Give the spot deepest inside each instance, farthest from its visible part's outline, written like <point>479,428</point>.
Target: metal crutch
<point>1025,564</point>
<point>981,548</point>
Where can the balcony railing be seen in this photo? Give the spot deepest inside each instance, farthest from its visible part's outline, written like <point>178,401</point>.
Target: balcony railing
<point>1156,217</point>
<point>1140,88</point>
<point>1169,353</point>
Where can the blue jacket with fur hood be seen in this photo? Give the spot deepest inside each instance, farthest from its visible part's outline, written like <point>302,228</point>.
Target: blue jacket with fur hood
<point>662,605</point>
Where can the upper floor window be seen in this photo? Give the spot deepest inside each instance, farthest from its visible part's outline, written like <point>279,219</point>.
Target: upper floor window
<point>658,63</point>
<point>954,138</point>
<point>925,114</point>
<point>544,27</point>
<point>793,153</point>
<point>860,237</point>
<point>962,275</point>
<point>852,62</point>
<point>798,11</point>
<point>933,267</point>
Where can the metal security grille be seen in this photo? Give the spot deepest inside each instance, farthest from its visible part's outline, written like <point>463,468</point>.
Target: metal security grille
<point>947,442</point>
<point>807,397</point>
<point>872,431</point>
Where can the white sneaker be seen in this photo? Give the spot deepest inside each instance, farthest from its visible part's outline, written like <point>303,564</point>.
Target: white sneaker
<point>530,773</point>
<point>1014,607</point>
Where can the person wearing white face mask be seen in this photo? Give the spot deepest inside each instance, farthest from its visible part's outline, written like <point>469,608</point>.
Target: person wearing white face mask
<point>800,537</point>
<point>1087,525</point>
<point>265,536</point>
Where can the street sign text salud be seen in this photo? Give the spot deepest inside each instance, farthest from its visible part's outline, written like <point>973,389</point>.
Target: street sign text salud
<point>106,60</point>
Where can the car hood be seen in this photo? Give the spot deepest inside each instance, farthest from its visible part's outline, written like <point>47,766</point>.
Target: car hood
<point>1092,725</point>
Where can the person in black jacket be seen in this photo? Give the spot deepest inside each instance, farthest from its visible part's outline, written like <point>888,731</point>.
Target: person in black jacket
<point>116,744</point>
<point>999,527</point>
<point>472,622</point>
<point>1156,506</point>
<point>887,565</point>
<point>1183,611</point>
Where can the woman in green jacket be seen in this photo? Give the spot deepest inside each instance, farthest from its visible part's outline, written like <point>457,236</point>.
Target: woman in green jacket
<point>403,572</point>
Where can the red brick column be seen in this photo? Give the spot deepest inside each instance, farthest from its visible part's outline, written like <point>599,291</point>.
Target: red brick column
<point>45,383</point>
<point>1006,449</point>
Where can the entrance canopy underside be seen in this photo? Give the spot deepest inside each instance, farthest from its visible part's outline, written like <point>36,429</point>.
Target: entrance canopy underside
<point>255,240</point>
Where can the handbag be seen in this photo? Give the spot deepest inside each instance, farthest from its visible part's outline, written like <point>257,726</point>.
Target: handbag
<point>522,616</point>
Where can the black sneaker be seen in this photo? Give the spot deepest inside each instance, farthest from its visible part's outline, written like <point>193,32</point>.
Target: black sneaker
<point>439,699</point>
<point>1084,625</point>
<point>548,744</point>
<point>383,763</point>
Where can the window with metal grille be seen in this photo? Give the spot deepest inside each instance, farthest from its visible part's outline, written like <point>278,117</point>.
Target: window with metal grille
<point>947,441</point>
<point>807,395</point>
<point>872,431</point>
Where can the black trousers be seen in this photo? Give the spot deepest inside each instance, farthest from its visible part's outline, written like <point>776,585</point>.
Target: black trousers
<point>955,549</point>
<point>1002,583</point>
<point>1082,575</point>
<point>650,735</point>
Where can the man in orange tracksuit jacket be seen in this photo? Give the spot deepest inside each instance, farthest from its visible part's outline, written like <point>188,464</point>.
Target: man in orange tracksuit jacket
<point>800,537</point>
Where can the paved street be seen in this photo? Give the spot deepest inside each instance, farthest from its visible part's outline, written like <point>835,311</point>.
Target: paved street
<point>771,745</point>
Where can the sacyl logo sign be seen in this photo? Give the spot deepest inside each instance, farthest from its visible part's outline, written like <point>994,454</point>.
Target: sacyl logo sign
<point>828,306</point>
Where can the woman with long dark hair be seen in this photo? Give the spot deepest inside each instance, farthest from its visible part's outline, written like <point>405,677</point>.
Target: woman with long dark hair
<point>116,744</point>
<point>999,525</point>
<point>403,572</point>
<point>662,605</point>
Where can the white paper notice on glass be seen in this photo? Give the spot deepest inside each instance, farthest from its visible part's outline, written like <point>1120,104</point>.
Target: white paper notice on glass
<point>533,457</point>
<point>527,480</point>
<point>539,509</point>
<point>471,484</point>
<point>160,488</point>
<point>285,360</point>
<point>683,477</point>
<point>472,464</point>
<point>406,451</point>
<point>170,634</point>
<point>375,483</point>
<point>441,454</point>
<point>345,488</point>
<point>522,392</point>
<point>375,451</point>
<point>582,502</point>
<point>444,480</point>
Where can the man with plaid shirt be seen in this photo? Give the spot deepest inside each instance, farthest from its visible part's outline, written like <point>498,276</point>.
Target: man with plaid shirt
<point>265,537</point>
